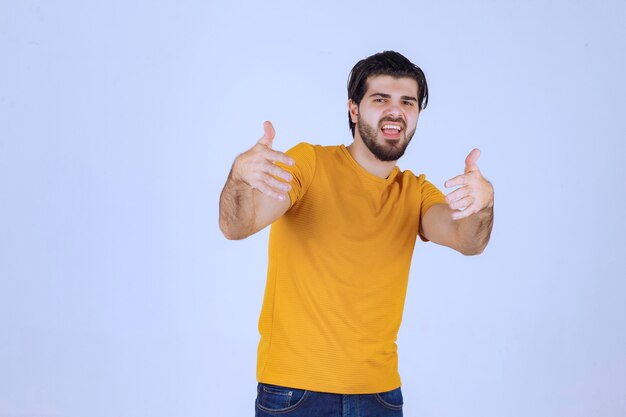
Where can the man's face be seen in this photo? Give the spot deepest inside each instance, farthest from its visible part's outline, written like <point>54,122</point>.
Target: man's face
<point>387,116</point>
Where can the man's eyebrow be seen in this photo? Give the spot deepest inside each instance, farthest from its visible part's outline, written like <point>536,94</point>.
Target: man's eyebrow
<point>383,95</point>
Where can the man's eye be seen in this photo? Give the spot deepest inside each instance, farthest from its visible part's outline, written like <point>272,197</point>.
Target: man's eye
<point>409,103</point>
<point>379,100</point>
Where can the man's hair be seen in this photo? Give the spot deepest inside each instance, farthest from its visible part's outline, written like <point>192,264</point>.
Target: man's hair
<point>384,63</point>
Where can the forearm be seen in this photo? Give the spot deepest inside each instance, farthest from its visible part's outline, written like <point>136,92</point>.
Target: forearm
<point>237,214</point>
<point>473,232</point>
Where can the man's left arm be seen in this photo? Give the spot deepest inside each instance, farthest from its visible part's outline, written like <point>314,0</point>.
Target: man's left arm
<point>465,222</point>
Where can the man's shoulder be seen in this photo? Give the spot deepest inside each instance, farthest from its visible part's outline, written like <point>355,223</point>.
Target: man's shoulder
<point>325,148</point>
<point>315,150</point>
<point>409,175</point>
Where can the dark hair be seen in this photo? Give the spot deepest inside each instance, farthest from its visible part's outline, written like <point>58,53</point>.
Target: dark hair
<point>385,63</point>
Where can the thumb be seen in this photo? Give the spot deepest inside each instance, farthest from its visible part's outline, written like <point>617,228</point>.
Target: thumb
<point>470,161</point>
<point>268,135</point>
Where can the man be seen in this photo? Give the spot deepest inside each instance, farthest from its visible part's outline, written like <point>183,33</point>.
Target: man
<point>344,225</point>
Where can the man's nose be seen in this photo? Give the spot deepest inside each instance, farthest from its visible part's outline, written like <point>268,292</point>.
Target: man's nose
<point>393,110</point>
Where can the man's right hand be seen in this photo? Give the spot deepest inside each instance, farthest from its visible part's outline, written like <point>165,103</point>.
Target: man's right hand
<point>253,196</point>
<point>257,169</point>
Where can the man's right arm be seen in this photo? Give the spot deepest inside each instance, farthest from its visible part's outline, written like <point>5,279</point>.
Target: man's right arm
<point>252,197</point>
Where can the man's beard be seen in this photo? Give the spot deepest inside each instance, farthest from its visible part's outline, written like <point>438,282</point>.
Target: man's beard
<point>387,150</point>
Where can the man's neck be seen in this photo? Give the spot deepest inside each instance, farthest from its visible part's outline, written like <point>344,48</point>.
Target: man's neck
<point>364,157</point>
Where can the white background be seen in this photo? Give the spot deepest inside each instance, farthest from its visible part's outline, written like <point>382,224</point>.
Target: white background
<point>119,122</point>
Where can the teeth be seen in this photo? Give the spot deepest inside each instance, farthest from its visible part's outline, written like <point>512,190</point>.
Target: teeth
<point>392,127</point>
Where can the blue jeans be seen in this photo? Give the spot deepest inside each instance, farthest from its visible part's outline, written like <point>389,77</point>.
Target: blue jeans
<point>273,400</point>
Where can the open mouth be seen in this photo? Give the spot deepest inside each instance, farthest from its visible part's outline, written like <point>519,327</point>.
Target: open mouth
<point>391,130</point>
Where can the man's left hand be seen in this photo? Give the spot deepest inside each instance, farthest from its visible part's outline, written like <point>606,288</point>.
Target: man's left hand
<point>475,192</point>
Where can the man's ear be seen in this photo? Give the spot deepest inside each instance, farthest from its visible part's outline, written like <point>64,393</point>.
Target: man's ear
<point>353,109</point>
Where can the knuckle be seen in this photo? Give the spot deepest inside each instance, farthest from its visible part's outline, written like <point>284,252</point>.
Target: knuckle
<point>273,183</point>
<point>278,171</point>
<point>277,155</point>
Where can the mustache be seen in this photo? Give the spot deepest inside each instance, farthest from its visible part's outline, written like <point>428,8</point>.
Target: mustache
<point>392,120</point>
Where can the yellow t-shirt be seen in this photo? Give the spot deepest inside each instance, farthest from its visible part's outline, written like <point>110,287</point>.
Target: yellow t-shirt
<point>338,269</point>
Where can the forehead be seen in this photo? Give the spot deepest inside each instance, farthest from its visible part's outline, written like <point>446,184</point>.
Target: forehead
<point>387,84</point>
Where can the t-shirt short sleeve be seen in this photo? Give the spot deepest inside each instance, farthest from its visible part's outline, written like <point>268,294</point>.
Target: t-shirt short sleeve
<point>431,195</point>
<point>302,171</point>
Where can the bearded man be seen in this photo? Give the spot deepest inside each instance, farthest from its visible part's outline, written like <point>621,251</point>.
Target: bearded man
<point>344,225</point>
